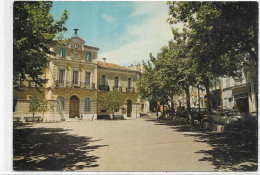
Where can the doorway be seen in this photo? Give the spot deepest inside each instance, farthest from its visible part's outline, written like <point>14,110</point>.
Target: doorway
<point>74,107</point>
<point>241,101</point>
<point>129,108</point>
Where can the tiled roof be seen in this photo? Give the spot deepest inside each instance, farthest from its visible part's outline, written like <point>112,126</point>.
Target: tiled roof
<point>112,66</point>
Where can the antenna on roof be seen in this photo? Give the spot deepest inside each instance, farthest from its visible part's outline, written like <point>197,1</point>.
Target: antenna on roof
<point>76,32</point>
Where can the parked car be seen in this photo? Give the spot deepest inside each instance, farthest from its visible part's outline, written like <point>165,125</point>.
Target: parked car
<point>182,112</point>
<point>226,116</point>
<point>198,114</point>
<point>181,115</point>
<point>226,119</point>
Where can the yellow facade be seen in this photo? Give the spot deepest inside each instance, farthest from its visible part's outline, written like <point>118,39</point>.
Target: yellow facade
<point>111,77</point>
<point>74,85</point>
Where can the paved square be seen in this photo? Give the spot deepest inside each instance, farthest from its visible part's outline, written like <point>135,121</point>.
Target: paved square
<point>123,145</point>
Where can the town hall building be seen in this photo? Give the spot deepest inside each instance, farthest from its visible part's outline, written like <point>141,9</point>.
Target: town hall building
<point>76,80</point>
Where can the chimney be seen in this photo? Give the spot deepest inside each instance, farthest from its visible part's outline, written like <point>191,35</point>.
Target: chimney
<point>76,32</point>
<point>104,61</point>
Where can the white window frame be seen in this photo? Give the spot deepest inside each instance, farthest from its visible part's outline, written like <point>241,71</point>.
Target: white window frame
<point>89,73</point>
<point>75,81</point>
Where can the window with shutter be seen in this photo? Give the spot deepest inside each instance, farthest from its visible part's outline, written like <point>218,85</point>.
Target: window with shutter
<point>129,82</point>
<point>87,104</point>
<point>103,80</point>
<point>62,52</point>
<point>88,56</point>
<point>116,82</point>
<point>87,78</point>
<point>60,102</point>
<point>61,76</point>
<point>75,77</point>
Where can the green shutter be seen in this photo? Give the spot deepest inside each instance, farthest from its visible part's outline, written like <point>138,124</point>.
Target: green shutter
<point>86,55</point>
<point>60,51</point>
<point>64,52</point>
<point>90,56</point>
<point>60,106</point>
<point>87,104</point>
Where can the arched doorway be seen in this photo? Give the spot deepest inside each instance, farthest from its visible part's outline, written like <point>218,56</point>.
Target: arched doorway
<point>129,108</point>
<point>74,106</point>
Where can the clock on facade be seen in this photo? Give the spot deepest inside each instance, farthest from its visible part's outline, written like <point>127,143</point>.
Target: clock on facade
<point>75,50</point>
<point>76,46</point>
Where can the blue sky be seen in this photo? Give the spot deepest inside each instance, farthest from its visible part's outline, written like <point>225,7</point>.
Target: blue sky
<point>124,31</point>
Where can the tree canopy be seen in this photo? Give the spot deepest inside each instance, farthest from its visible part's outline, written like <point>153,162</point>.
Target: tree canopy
<point>216,39</point>
<point>221,37</point>
<point>222,34</point>
<point>111,101</point>
<point>34,105</point>
<point>34,33</point>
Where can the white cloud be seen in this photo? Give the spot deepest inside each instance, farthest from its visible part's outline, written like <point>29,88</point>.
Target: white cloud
<point>148,8</point>
<point>148,37</point>
<point>108,18</point>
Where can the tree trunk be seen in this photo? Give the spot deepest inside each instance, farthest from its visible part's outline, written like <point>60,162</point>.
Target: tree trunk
<point>157,110</point>
<point>172,108</point>
<point>113,115</point>
<point>206,84</point>
<point>33,117</point>
<point>42,116</point>
<point>163,112</point>
<point>188,98</point>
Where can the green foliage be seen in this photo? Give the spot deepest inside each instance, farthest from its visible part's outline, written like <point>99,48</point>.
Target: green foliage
<point>34,33</point>
<point>111,101</point>
<point>220,37</point>
<point>51,107</point>
<point>171,72</point>
<point>43,105</point>
<point>34,105</point>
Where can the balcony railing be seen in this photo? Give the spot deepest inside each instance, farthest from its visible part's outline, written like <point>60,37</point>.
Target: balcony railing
<point>87,85</point>
<point>104,87</point>
<point>117,88</point>
<point>130,90</point>
<point>60,83</point>
<point>71,84</point>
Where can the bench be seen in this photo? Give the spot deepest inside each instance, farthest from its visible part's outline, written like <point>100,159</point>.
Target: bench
<point>16,119</point>
<point>118,117</point>
<point>30,119</point>
<point>100,117</point>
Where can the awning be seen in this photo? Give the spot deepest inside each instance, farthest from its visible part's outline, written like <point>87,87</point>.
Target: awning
<point>240,96</point>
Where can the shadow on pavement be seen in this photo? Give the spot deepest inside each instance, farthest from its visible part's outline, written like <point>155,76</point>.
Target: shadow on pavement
<point>51,149</point>
<point>231,151</point>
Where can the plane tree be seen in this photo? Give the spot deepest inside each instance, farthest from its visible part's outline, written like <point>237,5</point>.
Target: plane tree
<point>149,84</point>
<point>222,36</point>
<point>33,34</point>
<point>112,100</point>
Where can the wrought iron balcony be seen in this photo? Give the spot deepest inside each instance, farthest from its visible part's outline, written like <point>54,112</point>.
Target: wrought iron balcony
<point>87,85</point>
<point>104,87</point>
<point>60,83</point>
<point>117,88</point>
<point>71,84</point>
<point>130,90</point>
